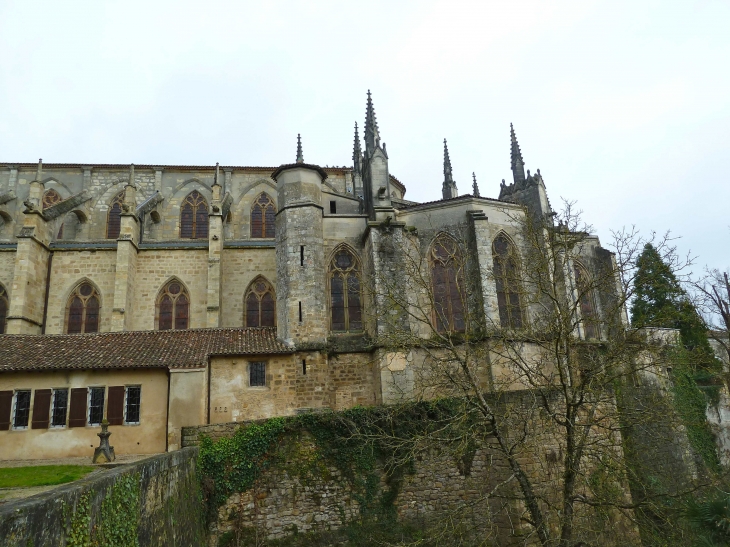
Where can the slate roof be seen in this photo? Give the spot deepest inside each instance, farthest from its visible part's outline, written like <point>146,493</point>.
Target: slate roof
<point>135,349</point>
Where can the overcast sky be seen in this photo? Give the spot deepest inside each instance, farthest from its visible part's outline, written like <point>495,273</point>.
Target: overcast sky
<point>622,105</point>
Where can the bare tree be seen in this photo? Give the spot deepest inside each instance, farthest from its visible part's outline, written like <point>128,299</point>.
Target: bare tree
<point>532,345</point>
<point>712,299</point>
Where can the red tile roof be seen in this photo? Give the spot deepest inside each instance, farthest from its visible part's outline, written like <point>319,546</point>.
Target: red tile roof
<point>135,349</point>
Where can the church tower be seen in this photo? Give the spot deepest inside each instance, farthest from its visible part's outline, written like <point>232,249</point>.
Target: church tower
<point>300,262</point>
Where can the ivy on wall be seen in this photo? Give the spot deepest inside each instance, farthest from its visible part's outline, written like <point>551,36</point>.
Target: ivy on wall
<point>357,442</point>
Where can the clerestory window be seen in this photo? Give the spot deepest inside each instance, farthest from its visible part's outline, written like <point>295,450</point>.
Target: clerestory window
<point>114,217</point>
<point>263,217</point>
<point>194,217</point>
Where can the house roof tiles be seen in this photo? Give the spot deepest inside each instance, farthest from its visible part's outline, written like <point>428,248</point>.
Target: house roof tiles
<point>135,349</point>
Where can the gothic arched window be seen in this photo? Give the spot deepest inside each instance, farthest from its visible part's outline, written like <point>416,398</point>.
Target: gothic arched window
<point>263,216</point>
<point>4,305</point>
<point>506,276</point>
<point>114,216</point>
<point>82,314</point>
<point>260,304</point>
<point>587,301</point>
<point>50,197</point>
<point>345,292</point>
<point>194,217</point>
<point>447,278</point>
<point>173,307</point>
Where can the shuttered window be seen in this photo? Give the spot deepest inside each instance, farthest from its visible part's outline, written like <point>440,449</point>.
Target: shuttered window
<point>263,217</point>
<point>21,412</point>
<point>132,404</point>
<point>260,304</point>
<point>115,405</point>
<point>41,409</point>
<point>60,406</point>
<point>96,405</point>
<point>6,405</point>
<point>4,305</point>
<point>114,217</point>
<point>173,307</point>
<point>83,310</point>
<point>194,217</point>
<point>77,412</point>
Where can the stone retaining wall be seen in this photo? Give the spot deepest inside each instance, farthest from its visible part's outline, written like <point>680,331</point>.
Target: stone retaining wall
<point>170,506</point>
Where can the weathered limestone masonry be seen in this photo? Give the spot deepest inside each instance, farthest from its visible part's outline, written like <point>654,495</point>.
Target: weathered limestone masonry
<point>162,502</point>
<point>300,255</point>
<point>470,493</point>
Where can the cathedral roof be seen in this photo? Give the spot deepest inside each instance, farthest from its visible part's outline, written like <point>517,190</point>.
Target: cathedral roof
<point>133,349</point>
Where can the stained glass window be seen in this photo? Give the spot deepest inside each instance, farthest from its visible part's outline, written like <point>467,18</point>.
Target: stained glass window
<point>447,277</point>
<point>263,217</point>
<point>194,217</point>
<point>345,292</point>
<point>83,310</point>
<point>260,304</point>
<point>173,307</point>
<point>506,276</point>
<point>114,217</point>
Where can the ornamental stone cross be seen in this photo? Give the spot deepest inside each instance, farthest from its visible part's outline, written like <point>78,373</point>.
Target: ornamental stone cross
<point>104,453</point>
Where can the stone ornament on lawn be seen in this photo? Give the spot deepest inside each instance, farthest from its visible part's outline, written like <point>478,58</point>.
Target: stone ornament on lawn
<point>104,453</point>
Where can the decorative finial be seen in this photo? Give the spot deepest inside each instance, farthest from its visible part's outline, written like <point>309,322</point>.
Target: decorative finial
<point>39,172</point>
<point>217,172</point>
<point>518,165</point>
<point>449,187</point>
<point>131,175</point>
<point>372,133</point>
<point>475,188</point>
<point>300,156</point>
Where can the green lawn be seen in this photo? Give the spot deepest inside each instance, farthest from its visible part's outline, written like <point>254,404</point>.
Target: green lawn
<point>41,475</point>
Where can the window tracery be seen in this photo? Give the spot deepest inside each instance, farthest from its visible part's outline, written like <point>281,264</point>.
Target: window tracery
<point>345,291</point>
<point>260,304</point>
<point>114,216</point>
<point>82,313</point>
<point>50,197</point>
<point>173,307</point>
<point>506,276</point>
<point>263,217</point>
<point>194,217</point>
<point>447,278</point>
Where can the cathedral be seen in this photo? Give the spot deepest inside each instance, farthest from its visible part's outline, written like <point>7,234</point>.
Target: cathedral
<point>161,296</point>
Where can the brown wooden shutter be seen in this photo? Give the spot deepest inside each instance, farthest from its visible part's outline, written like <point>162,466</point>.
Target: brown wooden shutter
<point>115,406</point>
<point>77,413</point>
<point>6,403</point>
<point>41,409</point>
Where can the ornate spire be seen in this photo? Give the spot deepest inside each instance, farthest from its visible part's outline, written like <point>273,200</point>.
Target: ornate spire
<point>300,156</point>
<point>475,188</point>
<point>372,133</point>
<point>518,165</point>
<point>357,153</point>
<point>39,172</point>
<point>449,188</point>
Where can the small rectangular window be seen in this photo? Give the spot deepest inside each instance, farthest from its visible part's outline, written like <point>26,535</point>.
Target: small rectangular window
<point>21,410</point>
<point>304,367</point>
<point>60,406</point>
<point>333,207</point>
<point>257,374</point>
<point>132,404</point>
<point>301,255</point>
<point>96,405</point>
<point>300,311</point>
